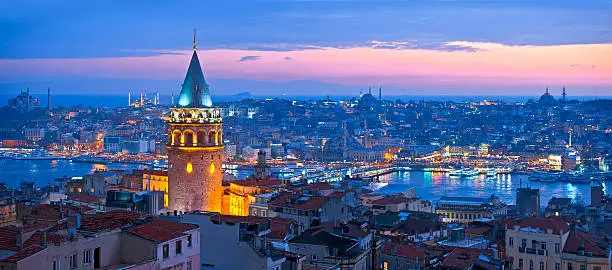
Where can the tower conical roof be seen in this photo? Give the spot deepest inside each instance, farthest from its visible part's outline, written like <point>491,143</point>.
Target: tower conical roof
<point>194,92</point>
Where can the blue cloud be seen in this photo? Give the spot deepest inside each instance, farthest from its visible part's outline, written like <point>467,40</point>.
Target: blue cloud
<point>249,58</point>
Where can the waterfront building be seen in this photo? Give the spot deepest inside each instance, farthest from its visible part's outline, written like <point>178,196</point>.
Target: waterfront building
<point>528,201</point>
<point>195,146</point>
<point>400,203</point>
<point>34,133</point>
<point>468,209</point>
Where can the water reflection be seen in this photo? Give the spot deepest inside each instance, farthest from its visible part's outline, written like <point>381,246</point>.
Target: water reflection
<point>432,186</point>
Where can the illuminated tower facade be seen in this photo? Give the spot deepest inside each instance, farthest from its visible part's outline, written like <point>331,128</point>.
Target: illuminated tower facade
<point>195,146</point>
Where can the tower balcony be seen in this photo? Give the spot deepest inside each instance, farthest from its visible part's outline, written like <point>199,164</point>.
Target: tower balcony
<point>195,116</point>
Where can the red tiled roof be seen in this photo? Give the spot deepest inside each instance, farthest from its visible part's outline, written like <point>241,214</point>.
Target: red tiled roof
<point>557,225</point>
<point>24,253</point>
<point>159,230</point>
<point>79,197</point>
<point>47,212</point>
<point>403,251</point>
<point>108,221</point>
<point>581,241</point>
<point>461,258</point>
<point>37,239</point>
<point>280,227</point>
<point>8,238</point>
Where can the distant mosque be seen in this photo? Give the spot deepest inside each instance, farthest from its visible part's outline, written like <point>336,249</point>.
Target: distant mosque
<point>143,100</point>
<point>548,100</point>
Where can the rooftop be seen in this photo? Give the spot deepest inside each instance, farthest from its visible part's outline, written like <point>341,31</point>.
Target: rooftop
<point>108,221</point>
<point>158,230</point>
<point>461,258</point>
<point>538,224</point>
<point>299,202</point>
<point>24,253</point>
<point>403,251</point>
<point>579,241</point>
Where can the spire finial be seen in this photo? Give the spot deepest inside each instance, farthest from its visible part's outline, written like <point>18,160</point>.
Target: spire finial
<point>194,39</point>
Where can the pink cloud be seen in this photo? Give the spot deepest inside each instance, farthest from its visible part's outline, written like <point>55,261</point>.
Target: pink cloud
<point>487,64</point>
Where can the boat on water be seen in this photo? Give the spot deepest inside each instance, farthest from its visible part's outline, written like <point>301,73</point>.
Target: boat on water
<point>491,173</point>
<point>455,172</point>
<point>469,173</point>
<point>37,155</point>
<point>549,178</point>
<point>504,170</point>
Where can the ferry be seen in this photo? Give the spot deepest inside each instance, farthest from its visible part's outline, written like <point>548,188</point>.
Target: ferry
<point>492,173</point>
<point>37,155</point>
<point>469,173</point>
<point>505,170</point>
<point>455,172</point>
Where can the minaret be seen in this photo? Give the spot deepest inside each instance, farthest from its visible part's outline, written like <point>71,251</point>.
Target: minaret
<point>157,98</point>
<point>129,98</point>
<point>48,99</point>
<point>564,95</point>
<point>172,100</point>
<point>570,138</point>
<point>380,93</point>
<point>344,141</point>
<point>195,146</point>
<point>28,93</point>
<point>365,134</point>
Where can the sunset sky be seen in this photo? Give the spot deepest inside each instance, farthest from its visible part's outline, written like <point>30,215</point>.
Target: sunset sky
<point>310,47</point>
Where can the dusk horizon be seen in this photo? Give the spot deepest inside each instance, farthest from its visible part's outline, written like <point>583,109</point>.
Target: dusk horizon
<point>438,48</point>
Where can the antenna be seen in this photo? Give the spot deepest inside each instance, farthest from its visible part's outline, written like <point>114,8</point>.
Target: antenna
<point>194,39</point>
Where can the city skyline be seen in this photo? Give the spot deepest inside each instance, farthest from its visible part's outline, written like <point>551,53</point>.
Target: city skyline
<point>275,48</point>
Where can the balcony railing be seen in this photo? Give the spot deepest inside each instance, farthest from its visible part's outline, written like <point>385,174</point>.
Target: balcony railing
<point>531,250</point>
<point>522,249</point>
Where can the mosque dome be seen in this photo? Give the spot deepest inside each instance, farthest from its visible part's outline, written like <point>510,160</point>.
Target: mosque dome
<point>367,102</point>
<point>547,98</point>
<point>336,143</point>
